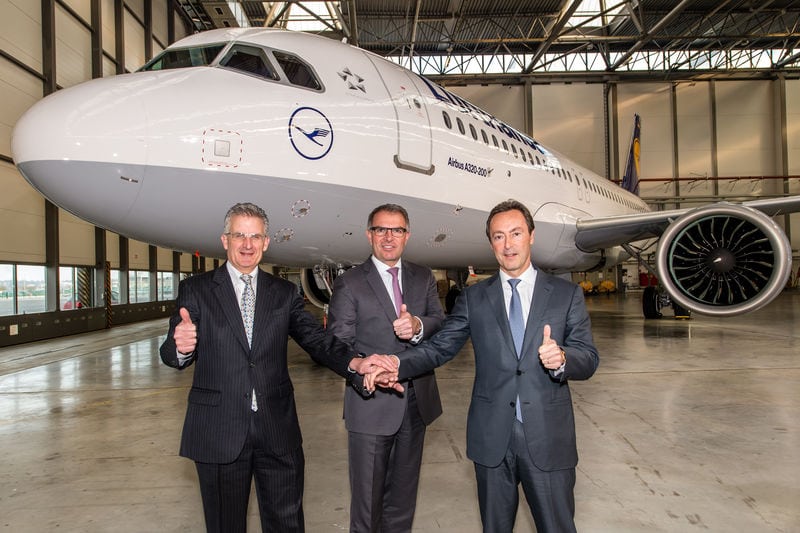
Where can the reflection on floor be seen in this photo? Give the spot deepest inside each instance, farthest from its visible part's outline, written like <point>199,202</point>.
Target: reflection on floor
<point>687,425</point>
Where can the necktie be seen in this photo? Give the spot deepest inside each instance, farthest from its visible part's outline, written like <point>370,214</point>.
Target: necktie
<point>398,296</point>
<point>248,310</point>
<point>515,317</point>
<point>248,306</point>
<point>517,329</point>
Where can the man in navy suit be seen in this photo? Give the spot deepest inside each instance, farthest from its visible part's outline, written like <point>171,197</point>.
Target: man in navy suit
<point>531,335</point>
<point>233,324</point>
<point>384,305</point>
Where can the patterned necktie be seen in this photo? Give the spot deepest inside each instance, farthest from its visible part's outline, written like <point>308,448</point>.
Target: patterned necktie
<point>398,296</point>
<point>248,306</point>
<point>515,317</point>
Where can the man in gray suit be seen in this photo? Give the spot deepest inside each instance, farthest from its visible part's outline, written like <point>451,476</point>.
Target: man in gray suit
<point>383,306</point>
<point>233,324</point>
<point>531,335</point>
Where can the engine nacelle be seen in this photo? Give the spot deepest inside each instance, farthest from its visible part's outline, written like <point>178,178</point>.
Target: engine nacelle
<point>317,285</point>
<point>724,260</point>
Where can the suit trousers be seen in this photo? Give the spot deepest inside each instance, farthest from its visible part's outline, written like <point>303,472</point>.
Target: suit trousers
<point>384,475</point>
<point>549,494</point>
<point>225,488</point>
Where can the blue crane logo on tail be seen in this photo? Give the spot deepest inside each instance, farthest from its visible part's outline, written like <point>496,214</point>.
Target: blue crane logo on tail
<point>630,180</point>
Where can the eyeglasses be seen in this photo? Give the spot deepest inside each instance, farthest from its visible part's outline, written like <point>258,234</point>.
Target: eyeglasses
<point>237,236</point>
<point>380,231</point>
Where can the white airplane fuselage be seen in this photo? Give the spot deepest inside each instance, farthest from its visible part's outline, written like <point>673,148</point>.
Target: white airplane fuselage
<point>159,156</point>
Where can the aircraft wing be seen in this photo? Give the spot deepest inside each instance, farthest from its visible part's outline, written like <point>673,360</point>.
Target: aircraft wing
<point>606,232</point>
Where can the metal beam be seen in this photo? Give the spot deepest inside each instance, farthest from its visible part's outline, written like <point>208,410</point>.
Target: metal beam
<point>566,12</point>
<point>647,37</point>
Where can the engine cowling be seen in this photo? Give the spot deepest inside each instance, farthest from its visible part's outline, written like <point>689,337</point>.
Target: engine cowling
<point>316,286</point>
<point>724,260</point>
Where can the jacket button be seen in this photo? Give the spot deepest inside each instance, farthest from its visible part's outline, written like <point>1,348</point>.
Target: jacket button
<point>511,404</point>
<point>520,372</point>
<point>252,364</point>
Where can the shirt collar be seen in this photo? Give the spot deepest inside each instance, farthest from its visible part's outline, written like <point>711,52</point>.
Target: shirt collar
<point>383,267</point>
<point>236,276</point>
<point>529,276</point>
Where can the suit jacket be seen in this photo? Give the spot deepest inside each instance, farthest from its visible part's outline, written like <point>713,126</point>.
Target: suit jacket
<point>500,377</point>
<point>361,312</point>
<point>227,369</point>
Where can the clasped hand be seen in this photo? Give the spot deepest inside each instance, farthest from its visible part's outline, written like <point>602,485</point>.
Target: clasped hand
<point>378,370</point>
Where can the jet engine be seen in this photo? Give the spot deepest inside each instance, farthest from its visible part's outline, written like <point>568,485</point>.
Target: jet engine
<point>723,260</point>
<point>317,285</point>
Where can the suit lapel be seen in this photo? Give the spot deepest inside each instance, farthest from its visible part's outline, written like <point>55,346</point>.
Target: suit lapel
<point>375,282</point>
<point>494,293</point>
<point>226,296</point>
<point>265,302</point>
<point>411,288</point>
<point>534,328</point>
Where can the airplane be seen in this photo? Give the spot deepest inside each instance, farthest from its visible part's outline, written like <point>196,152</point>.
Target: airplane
<point>319,132</point>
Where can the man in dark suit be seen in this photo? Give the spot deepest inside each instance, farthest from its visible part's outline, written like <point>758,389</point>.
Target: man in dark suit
<point>234,323</point>
<point>531,335</point>
<point>382,306</point>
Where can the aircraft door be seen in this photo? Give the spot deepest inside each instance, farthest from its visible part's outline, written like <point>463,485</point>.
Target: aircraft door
<point>414,138</point>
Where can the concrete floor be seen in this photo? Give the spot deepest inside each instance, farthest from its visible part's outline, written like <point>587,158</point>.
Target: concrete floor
<point>687,426</point>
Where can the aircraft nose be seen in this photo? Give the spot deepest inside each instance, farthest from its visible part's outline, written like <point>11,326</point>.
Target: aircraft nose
<point>84,147</point>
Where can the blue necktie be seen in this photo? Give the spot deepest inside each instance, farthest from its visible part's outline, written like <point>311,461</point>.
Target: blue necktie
<point>517,329</point>
<point>515,317</point>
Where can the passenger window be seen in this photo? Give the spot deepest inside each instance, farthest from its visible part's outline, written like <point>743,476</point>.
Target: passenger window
<point>460,126</point>
<point>447,121</point>
<point>494,141</point>
<point>514,149</point>
<point>298,72</point>
<point>522,153</point>
<point>505,146</point>
<point>485,138</point>
<point>251,60</point>
<point>473,132</point>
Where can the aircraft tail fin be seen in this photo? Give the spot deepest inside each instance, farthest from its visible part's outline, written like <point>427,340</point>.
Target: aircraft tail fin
<point>630,180</point>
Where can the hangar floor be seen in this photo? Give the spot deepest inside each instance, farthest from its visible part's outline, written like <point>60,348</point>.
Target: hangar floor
<point>687,425</point>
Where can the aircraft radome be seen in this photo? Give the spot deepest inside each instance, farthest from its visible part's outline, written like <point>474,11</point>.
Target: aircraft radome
<point>319,132</point>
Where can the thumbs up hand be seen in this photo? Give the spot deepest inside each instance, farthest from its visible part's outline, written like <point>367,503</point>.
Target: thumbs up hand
<point>550,353</point>
<point>185,333</point>
<point>406,325</point>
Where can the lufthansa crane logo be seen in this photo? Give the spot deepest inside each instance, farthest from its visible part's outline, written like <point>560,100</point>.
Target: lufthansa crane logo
<point>310,132</point>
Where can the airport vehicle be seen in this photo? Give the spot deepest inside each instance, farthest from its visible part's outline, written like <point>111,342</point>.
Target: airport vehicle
<point>319,132</point>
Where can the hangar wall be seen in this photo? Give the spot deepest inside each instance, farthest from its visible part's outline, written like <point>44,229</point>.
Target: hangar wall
<point>46,45</point>
<point>692,132</point>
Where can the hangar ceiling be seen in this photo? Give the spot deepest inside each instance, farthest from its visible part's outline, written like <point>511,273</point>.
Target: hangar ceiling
<point>496,39</point>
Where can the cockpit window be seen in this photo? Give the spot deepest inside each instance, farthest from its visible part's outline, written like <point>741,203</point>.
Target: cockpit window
<point>298,72</point>
<point>184,57</point>
<point>249,59</point>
